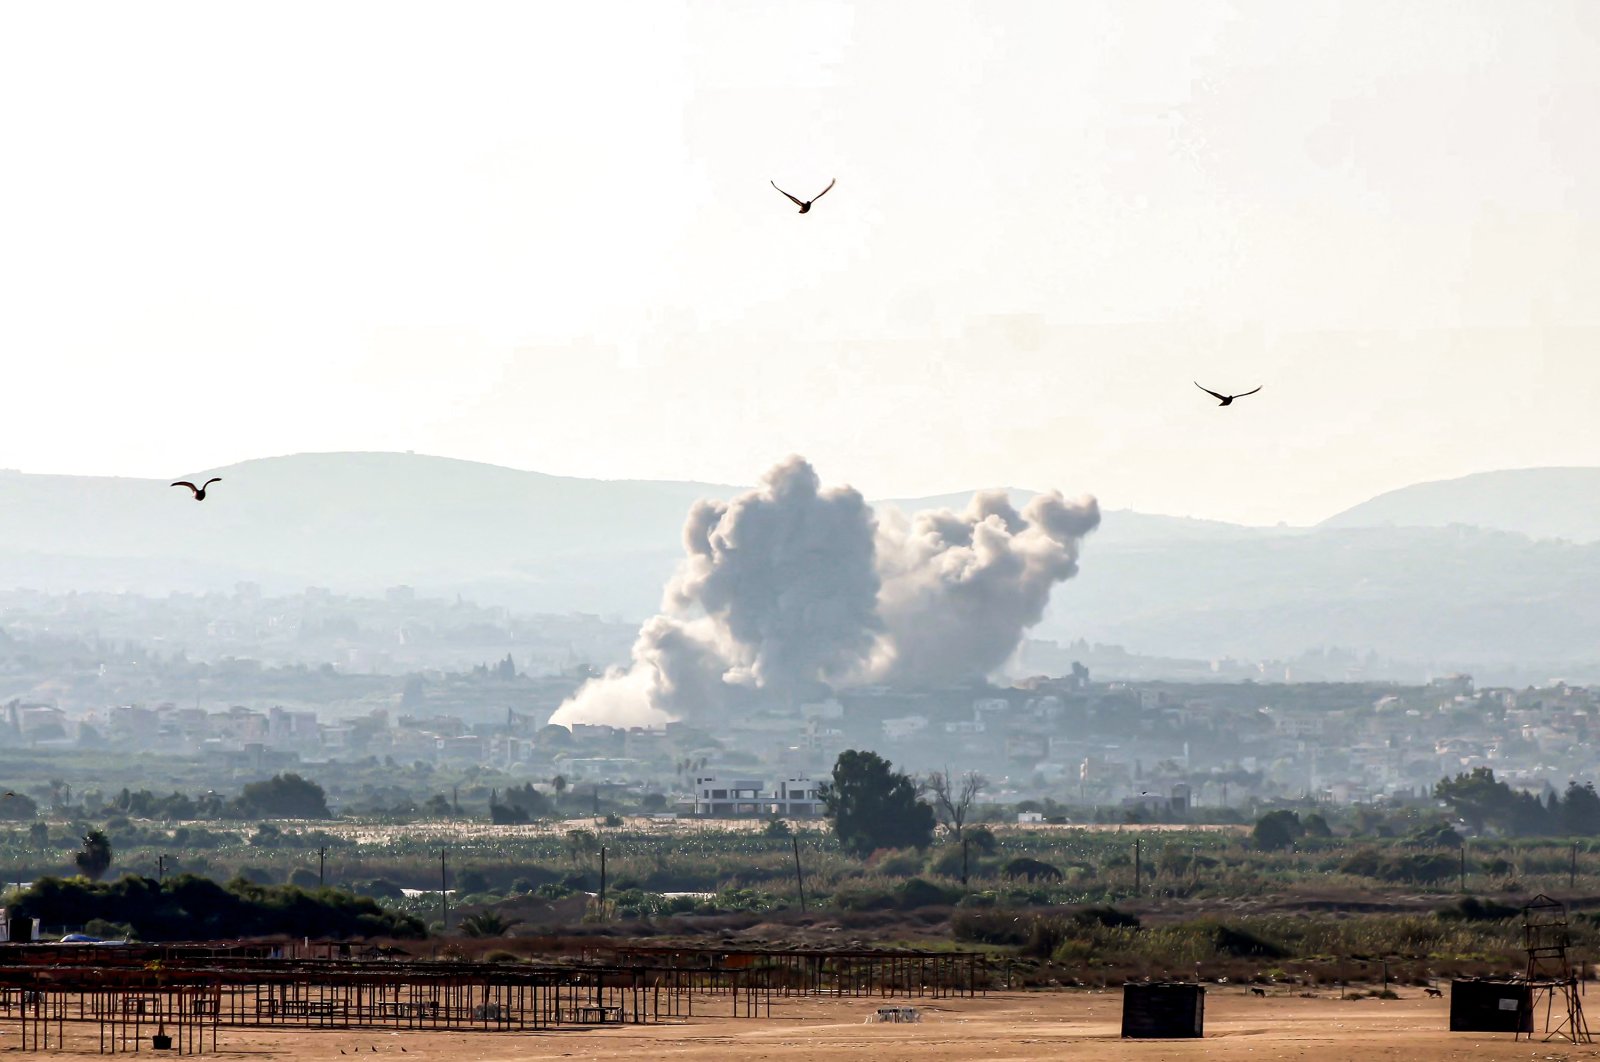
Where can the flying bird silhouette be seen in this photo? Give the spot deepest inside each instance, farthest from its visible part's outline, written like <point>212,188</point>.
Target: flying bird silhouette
<point>1226,400</point>
<point>805,205</point>
<point>200,491</point>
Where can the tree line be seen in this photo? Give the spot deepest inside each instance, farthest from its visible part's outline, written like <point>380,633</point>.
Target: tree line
<point>186,907</point>
<point>1486,803</point>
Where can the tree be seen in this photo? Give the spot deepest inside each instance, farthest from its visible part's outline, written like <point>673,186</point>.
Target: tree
<point>982,839</point>
<point>559,784</point>
<point>1277,830</point>
<point>488,924</point>
<point>285,796</point>
<point>15,807</point>
<point>185,907</point>
<point>1482,800</point>
<point>95,858</point>
<point>1580,811</point>
<point>873,806</point>
<point>953,800</point>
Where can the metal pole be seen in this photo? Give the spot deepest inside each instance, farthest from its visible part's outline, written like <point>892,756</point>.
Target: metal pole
<point>963,862</point>
<point>1138,869</point>
<point>799,878</point>
<point>444,900</point>
<point>602,878</point>
<point>322,855</point>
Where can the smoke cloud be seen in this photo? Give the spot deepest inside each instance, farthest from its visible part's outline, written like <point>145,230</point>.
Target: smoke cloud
<point>792,589</point>
<point>959,591</point>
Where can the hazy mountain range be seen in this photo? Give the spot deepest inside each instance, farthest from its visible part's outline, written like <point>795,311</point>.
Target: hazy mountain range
<point>1498,567</point>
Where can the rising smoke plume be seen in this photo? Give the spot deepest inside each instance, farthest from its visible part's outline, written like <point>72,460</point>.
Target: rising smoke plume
<point>792,589</point>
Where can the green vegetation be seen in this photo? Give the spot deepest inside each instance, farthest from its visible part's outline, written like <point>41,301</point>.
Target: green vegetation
<point>192,908</point>
<point>95,859</point>
<point>1484,802</point>
<point>873,806</point>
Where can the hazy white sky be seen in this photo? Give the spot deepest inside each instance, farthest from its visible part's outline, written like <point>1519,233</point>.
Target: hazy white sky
<point>541,235</point>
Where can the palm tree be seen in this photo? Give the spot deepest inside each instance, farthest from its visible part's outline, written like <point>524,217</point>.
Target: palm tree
<point>559,784</point>
<point>488,924</point>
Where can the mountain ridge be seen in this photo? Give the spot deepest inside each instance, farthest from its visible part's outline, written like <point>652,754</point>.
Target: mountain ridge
<point>1549,502</point>
<point>359,522</point>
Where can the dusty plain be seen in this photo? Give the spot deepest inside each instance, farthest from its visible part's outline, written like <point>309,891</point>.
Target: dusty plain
<point>1003,1027</point>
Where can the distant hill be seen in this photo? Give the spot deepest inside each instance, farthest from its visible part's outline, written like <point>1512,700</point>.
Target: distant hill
<point>359,522</point>
<point>347,520</point>
<point>369,520</point>
<point>1537,502</point>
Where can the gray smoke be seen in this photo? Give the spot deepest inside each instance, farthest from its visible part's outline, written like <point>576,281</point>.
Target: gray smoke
<point>777,592</point>
<point>959,591</point>
<point>791,589</point>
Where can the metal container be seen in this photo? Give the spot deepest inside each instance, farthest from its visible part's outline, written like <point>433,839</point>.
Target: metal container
<point>1163,1011</point>
<point>1482,1005</point>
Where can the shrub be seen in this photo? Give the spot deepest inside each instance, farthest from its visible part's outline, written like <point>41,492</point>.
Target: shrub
<point>470,881</point>
<point>915,892</point>
<point>1473,909</point>
<point>896,863</point>
<point>383,889</point>
<point>99,927</point>
<point>1241,943</point>
<point>554,890</point>
<point>1032,869</point>
<point>980,839</point>
<point>1109,917</point>
<point>185,907</point>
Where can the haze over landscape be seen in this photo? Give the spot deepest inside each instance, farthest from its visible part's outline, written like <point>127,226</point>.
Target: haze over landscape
<point>1046,225</point>
<point>479,556</point>
<point>1488,571</point>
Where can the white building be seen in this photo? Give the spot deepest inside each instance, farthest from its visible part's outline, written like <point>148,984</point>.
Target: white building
<point>733,796</point>
<point>905,726</point>
<point>789,798</point>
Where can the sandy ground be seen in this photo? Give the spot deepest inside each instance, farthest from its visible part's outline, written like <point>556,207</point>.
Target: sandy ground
<point>1013,1026</point>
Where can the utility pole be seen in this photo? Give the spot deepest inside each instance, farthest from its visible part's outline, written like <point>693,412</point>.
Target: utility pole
<point>1138,868</point>
<point>161,868</point>
<point>799,878</point>
<point>1572,871</point>
<point>602,879</point>
<point>963,862</point>
<point>322,856</point>
<point>1463,868</point>
<point>444,900</point>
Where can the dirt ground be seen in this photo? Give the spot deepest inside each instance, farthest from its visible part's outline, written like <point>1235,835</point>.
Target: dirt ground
<point>1014,1026</point>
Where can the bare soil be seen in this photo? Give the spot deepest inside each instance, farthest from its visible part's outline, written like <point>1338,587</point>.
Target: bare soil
<point>1016,1026</point>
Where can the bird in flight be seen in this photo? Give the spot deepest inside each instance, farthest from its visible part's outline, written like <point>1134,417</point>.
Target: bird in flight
<point>806,205</point>
<point>1226,400</point>
<point>200,491</point>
